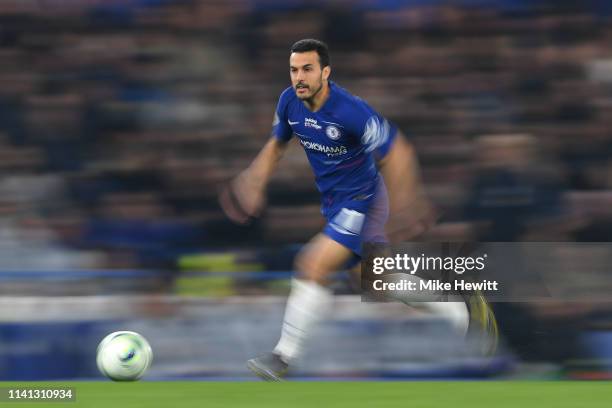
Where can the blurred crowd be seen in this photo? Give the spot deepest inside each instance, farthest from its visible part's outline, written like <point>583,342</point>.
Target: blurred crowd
<point>121,119</point>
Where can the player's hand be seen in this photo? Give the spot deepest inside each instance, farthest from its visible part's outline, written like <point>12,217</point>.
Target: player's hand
<point>410,221</point>
<point>242,199</point>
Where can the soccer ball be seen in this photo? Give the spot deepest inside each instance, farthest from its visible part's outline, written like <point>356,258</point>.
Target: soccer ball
<point>124,356</point>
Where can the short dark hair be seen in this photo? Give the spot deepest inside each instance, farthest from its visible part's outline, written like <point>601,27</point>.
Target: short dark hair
<point>310,44</point>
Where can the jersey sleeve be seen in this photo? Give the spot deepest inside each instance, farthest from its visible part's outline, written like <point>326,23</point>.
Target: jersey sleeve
<point>375,132</point>
<point>280,125</point>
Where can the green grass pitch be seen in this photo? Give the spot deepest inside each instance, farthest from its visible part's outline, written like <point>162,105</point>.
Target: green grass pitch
<point>328,394</point>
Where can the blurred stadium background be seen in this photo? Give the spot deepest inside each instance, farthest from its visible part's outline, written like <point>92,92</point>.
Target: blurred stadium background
<point>121,119</point>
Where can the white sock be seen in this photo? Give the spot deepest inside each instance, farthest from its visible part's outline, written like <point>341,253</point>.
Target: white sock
<point>308,304</point>
<point>455,312</point>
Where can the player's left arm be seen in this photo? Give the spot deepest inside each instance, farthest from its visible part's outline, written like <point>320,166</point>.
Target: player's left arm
<point>410,210</point>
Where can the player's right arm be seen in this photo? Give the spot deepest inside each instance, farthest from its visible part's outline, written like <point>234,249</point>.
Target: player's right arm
<point>245,196</point>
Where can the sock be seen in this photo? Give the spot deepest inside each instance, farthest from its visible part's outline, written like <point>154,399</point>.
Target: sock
<point>455,312</point>
<point>308,304</point>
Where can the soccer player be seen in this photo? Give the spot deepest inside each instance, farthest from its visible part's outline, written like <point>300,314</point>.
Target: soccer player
<point>349,146</point>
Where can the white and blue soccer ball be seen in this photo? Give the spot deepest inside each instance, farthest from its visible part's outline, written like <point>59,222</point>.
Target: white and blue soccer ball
<point>124,356</point>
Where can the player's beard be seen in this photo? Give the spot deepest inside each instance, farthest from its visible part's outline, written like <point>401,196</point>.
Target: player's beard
<point>310,99</point>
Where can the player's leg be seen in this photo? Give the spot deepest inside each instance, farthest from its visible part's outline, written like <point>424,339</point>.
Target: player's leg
<point>310,298</point>
<point>308,303</point>
<point>456,313</point>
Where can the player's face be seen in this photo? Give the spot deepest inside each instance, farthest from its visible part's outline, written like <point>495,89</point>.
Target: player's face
<point>307,76</point>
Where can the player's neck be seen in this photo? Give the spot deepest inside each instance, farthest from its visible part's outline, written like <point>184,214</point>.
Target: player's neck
<point>318,100</point>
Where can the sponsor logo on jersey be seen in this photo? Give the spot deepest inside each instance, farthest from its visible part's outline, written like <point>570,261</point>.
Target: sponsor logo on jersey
<point>330,151</point>
<point>312,123</point>
<point>332,132</point>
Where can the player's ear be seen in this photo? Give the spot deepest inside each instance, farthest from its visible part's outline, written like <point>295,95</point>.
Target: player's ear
<point>326,72</point>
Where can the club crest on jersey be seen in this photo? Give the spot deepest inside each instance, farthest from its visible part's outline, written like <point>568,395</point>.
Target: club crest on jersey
<point>332,132</point>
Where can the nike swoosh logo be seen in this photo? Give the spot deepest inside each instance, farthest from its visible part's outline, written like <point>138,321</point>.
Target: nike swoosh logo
<point>293,123</point>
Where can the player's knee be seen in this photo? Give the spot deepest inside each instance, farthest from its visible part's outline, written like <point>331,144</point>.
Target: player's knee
<point>304,266</point>
<point>308,268</point>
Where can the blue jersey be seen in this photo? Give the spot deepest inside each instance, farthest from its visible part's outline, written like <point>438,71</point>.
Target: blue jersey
<point>342,141</point>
